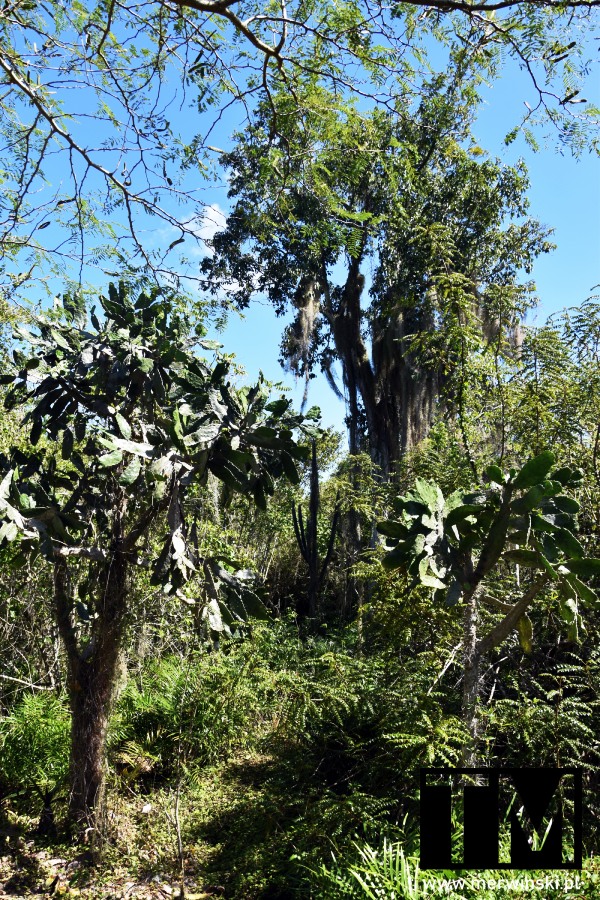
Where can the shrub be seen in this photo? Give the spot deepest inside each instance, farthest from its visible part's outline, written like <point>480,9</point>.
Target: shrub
<point>34,750</point>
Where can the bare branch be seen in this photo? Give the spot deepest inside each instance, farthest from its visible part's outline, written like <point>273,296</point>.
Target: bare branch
<point>82,553</point>
<point>28,684</point>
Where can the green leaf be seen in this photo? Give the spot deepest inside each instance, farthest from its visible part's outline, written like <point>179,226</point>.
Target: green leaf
<point>204,434</point>
<point>67,443</point>
<point>419,545</point>
<point>429,493</point>
<point>545,523</point>
<point>525,629</point>
<point>145,365</point>
<point>254,605</point>
<point>432,582</point>
<point>459,513</point>
<point>59,340</point>
<point>550,548</point>
<point>132,471</point>
<point>534,471</point>
<point>289,467</point>
<point>80,428</point>
<point>393,529</point>
<point>219,372</point>
<point>545,563</point>
<point>159,490</point>
<point>569,611</point>
<point>523,557</point>
<point>588,567</point>
<point>259,495</point>
<point>478,498</point>
<point>36,431</point>
<point>124,426</point>
<point>16,396</point>
<point>584,592</point>
<point>567,504</point>
<point>6,483</point>
<point>278,407</point>
<point>412,507</point>
<point>177,426</point>
<point>111,459</point>
<point>563,475</point>
<point>136,447</point>
<point>8,532</point>
<point>568,543</point>
<point>494,473</point>
<point>211,616</point>
<point>551,488</point>
<point>567,476</point>
<point>397,558</point>
<point>228,473</point>
<point>144,301</point>
<point>264,437</point>
<point>528,501</point>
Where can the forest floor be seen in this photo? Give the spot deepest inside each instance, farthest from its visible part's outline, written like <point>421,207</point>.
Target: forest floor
<point>241,823</point>
<point>27,871</point>
<point>30,868</point>
<point>231,846</point>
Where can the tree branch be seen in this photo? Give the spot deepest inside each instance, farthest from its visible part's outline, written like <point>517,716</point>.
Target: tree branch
<point>448,6</point>
<point>504,627</point>
<point>82,552</point>
<point>493,601</point>
<point>143,523</point>
<point>29,684</point>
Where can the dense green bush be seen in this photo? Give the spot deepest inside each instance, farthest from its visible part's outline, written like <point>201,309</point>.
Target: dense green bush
<point>177,710</point>
<point>34,751</point>
<point>362,717</point>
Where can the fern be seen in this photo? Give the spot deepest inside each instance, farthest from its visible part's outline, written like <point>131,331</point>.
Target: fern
<point>34,743</point>
<point>386,874</point>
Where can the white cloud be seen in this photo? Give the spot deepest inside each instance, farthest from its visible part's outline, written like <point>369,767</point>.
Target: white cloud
<point>205,227</point>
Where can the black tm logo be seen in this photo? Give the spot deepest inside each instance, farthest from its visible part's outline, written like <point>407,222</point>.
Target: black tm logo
<point>510,818</point>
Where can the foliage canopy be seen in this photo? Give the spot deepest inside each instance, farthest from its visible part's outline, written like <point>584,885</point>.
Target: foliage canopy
<point>96,152</point>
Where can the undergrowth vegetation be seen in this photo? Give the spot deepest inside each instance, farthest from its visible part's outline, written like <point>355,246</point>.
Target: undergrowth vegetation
<point>282,751</point>
<point>258,751</point>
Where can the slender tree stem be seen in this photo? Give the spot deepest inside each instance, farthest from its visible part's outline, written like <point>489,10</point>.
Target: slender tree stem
<point>472,664</point>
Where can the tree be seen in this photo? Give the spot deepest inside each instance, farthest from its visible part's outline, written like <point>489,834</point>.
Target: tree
<point>401,196</point>
<point>95,152</point>
<point>458,546</point>
<point>140,420</point>
<point>307,537</point>
<point>546,395</point>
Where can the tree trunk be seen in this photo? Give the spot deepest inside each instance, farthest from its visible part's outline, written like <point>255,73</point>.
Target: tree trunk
<point>92,676</point>
<point>394,387</point>
<point>90,704</point>
<point>406,388</point>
